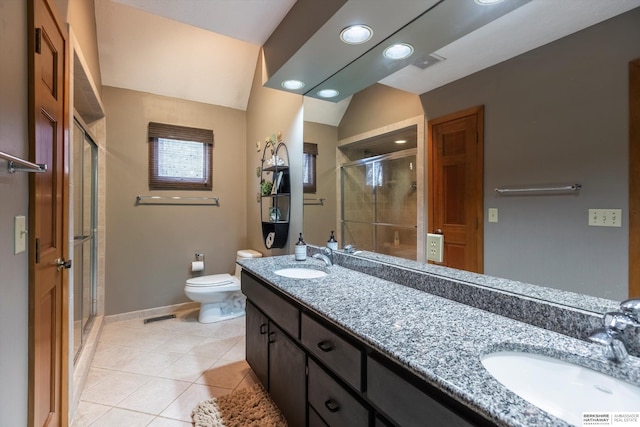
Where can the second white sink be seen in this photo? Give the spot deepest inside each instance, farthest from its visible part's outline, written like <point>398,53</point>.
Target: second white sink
<point>560,388</point>
<point>300,273</point>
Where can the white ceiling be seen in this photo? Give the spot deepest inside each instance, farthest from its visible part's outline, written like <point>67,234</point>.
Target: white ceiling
<point>206,50</point>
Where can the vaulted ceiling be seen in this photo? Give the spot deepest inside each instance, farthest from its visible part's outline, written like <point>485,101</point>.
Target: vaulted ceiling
<point>206,50</point>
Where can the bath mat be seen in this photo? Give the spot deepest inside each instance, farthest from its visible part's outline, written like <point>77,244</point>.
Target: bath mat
<point>249,407</point>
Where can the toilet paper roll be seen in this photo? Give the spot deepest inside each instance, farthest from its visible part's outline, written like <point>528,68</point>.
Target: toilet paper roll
<point>197,266</point>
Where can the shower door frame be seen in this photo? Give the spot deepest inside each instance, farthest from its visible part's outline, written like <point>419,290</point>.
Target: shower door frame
<point>92,238</point>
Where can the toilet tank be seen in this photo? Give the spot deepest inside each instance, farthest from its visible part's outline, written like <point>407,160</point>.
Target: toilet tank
<point>245,254</point>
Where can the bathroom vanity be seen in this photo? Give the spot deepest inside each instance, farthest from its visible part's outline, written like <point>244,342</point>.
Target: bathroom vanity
<point>353,349</point>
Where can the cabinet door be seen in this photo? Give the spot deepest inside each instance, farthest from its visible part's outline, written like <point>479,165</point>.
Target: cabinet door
<point>257,343</point>
<point>287,379</point>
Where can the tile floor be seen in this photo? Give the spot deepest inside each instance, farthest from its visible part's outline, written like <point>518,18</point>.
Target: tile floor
<point>154,374</point>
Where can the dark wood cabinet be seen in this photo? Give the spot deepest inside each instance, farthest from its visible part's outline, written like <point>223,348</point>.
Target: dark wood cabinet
<point>319,375</point>
<point>287,380</point>
<point>257,347</point>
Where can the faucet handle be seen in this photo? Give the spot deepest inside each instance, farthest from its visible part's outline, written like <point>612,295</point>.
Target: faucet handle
<point>631,307</point>
<point>619,321</point>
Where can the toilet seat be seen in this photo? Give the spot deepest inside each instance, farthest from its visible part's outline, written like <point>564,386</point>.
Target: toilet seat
<point>212,280</point>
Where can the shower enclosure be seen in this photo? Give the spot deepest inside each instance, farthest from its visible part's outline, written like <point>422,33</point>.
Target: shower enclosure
<point>84,184</point>
<point>380,205</point>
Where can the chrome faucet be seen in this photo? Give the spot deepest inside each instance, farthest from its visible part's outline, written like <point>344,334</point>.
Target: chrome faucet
<point>327,256</point>
<point>350,249</point>
<point>614,324</point>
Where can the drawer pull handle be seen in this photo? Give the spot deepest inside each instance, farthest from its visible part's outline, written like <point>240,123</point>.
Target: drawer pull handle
<point>271,339</point>
<point>263,329</point>
<point>326,346</point>
<point>332,406</point>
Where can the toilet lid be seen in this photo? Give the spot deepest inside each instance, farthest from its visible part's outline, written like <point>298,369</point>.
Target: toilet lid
<point>212,280</point>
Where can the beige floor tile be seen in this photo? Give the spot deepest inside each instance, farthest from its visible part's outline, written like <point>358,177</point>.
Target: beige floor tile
<point>182,343</point>
<point>88,412</point>
<point>236,352</point>
<point>122,417</point>
<point>95,376</point>
<point>214,348</point>
<point>150,362</point>
<point>113,356</point>
<point>225,374</point>
<point>187,368</point>
<point>154,396</point>
<point>134,337</point>
<point>181,408</point>
<point>168,422</point>
<point>114,388</point>
<point>248,381</point>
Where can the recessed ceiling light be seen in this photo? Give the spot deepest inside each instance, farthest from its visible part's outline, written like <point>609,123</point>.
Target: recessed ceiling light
<point>356,34</point>
<point>398,51</point>
<point>328,93</point>
<point>292,84</point>
<point>487,2</point>
<point>400,141</point>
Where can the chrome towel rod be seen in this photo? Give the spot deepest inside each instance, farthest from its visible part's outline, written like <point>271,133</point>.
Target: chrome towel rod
<point>318,201</point>
<point>17,164</point>
<point>177,200</point>
<point>539,189</point>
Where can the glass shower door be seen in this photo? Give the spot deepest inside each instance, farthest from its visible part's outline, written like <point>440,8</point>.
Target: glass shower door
<point>379,204</point>
<point>85,154</point>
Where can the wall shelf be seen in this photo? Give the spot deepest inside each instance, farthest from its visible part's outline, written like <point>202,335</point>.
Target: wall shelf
<point>275,206</point>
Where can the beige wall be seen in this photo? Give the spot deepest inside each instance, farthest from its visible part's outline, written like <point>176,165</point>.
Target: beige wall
<point>81,15</point>
<point>319,220</point>
<point>14,194</point>
<point>268,112</point>
<point>375,107</point>
<point>149,248</point>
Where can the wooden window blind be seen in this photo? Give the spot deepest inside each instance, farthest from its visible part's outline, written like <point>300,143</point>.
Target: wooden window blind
<point>180,158</point>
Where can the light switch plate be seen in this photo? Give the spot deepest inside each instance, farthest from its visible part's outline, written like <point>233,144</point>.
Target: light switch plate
<point>20,241</point>
<point>605,217</point>
<point>435,247</point>
<point>493,214</point>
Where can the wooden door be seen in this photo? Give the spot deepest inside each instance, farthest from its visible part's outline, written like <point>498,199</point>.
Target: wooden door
<point>48,219</point>
<point>456,187</point>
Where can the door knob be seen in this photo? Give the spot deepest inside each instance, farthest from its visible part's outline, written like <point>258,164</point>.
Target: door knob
<point>438,231</point>
<point>61,263</point>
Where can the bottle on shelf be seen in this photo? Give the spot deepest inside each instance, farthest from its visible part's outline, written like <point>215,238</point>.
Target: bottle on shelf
<point>301,249</point>
<point>332,243</point>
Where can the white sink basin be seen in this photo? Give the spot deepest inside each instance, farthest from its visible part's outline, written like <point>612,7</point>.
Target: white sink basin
<point>561,388</point>
<point>300,273</point>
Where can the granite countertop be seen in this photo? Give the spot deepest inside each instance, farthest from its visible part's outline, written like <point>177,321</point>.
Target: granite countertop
<point>439,340</point>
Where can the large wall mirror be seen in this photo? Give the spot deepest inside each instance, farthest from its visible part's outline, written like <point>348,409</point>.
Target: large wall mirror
<point>557,114</point>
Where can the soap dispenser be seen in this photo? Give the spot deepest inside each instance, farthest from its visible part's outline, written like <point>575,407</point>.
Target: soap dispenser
<point>332,243</point>
<point>301,249</point>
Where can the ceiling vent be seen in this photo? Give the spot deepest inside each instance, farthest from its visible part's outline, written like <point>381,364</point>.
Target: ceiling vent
<point>428,61</point>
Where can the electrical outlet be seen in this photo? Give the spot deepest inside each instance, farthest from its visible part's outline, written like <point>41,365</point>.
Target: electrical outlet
<point>435,244</point>
<point>605,217</point>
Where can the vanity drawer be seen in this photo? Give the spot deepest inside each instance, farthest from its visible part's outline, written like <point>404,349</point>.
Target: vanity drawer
<point>334,404</point>
<point>274,306</point>
<point>404,403</point>
<point>337,354</point>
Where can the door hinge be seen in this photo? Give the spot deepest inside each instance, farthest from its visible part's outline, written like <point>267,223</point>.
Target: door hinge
<point>37,250</point>
<point>38,41</point>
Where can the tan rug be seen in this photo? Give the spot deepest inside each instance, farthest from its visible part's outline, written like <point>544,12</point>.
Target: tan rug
<point>249,407</point>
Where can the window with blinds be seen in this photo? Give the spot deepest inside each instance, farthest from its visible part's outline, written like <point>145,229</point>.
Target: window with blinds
<point>309,151</point>
<point>179,157</point>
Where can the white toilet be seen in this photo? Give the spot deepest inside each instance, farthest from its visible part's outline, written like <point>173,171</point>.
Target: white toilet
<point>219,294</point>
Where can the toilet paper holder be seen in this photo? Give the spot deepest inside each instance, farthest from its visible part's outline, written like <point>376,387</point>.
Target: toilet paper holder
<point>199,256</point>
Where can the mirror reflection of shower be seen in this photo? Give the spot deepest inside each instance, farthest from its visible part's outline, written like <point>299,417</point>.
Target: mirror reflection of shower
<point>379,204</point>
